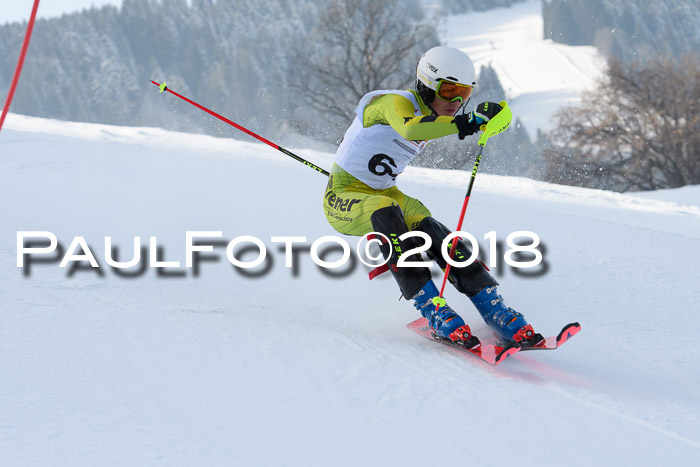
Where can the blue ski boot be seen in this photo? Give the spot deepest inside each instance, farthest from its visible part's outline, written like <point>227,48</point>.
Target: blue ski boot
<point>508,325</point>
<point>445,323</point>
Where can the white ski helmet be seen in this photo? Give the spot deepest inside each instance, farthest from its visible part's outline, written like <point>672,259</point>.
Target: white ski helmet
<point>443,63</point>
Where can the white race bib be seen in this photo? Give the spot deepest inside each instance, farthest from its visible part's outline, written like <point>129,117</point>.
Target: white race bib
<point>378,154</point>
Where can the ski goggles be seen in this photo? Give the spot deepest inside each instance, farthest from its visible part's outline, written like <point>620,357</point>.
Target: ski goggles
<point>450,91</point>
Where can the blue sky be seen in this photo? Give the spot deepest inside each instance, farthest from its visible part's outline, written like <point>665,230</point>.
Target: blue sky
<point>19,10</point>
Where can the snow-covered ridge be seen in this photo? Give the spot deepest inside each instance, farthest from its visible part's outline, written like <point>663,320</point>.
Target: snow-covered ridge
<point>659,201</point>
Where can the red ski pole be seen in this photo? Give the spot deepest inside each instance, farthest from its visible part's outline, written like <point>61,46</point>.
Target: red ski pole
<point>459,223</point>
<point>496,125</point>
<point>163,87</point>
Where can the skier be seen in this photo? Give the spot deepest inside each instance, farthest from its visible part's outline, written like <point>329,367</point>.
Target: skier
<point>390,129</point>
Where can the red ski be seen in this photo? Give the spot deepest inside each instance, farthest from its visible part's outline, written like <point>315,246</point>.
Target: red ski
<point>493,353</point>
<point>490,353</point>
<point>554,342</point>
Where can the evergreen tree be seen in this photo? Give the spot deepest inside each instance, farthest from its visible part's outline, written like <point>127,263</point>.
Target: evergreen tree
<point>628,30</point>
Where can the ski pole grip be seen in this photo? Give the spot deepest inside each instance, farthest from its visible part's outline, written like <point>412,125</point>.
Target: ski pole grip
<point>497,124</point>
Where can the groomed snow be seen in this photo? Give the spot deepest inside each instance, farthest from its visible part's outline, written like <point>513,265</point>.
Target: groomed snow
<point>307,370</point>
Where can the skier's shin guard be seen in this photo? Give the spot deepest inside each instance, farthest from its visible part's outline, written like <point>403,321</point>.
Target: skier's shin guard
<point>390,222</point>
<point>469,280</point>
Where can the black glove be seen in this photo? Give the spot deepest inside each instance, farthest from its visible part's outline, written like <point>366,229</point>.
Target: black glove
<point>470,123</point>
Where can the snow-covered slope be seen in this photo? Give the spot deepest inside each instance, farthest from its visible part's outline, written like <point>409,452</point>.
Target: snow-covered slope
<point>538,76</point>
<point>305,369</point>
<point>688,195</point>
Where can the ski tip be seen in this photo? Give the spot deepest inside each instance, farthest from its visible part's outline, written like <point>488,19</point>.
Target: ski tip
<point>417,323</point>
<point>567,332</point>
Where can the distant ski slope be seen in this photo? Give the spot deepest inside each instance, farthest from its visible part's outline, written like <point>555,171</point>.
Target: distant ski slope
<point>539,76</point>
<point>312,370</point>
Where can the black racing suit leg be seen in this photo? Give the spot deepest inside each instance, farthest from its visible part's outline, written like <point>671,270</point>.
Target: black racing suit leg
<point>390,222</point>
<point>469,280</point>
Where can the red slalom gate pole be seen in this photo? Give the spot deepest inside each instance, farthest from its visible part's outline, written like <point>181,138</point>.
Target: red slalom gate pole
<point>163,87</point>
<point>20,63</point>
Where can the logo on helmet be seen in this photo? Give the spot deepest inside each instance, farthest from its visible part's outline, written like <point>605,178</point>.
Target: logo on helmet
<point>432,68</point>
